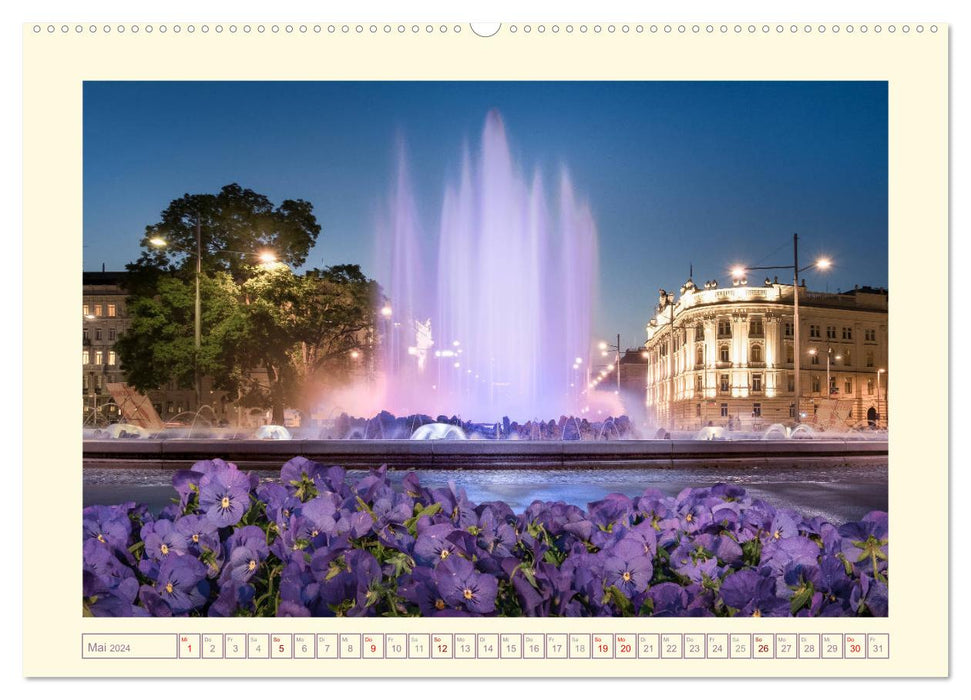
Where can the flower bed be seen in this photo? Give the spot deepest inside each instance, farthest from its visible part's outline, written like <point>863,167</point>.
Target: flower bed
<point>312,544</point>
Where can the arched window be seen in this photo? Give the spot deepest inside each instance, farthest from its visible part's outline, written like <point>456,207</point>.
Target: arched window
<point>756,353</point>
<point>700,355</point>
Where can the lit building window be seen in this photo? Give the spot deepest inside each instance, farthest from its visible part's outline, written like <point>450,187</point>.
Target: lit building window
<point>98,311</point>
<point>85,310</point>
<point>111,357</point>
<point>85,357</point>
<point>112,311</point>
<point>99,357</point>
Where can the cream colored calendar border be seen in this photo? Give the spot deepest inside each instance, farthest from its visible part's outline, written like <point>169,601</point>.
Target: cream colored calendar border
<point>915,66</point>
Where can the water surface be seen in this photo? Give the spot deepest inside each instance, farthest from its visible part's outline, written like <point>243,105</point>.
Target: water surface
<point>838,494</point>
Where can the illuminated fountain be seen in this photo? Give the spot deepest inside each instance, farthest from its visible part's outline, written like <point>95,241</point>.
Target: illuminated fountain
<point>488,315</point>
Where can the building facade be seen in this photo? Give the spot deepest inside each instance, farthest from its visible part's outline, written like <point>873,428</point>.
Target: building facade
<point>725,357</point>
<point>103,320</point>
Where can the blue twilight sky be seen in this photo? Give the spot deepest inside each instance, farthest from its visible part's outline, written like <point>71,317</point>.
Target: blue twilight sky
<point>706,173</point>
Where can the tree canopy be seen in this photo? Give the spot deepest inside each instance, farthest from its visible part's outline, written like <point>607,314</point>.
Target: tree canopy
<point>235,225</point>
<point>271,337</point>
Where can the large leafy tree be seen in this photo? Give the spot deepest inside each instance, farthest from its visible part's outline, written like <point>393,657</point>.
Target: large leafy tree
<point>270,337</point>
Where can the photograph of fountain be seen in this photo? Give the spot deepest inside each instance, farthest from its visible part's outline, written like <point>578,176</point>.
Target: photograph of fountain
<point>485,348</point>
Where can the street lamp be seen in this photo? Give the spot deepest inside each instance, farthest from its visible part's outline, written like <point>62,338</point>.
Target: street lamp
<point>829,354</point>
<point>879,372</point>
<point>739,272</point>
<point>604,347</point>
<point>267,258</point>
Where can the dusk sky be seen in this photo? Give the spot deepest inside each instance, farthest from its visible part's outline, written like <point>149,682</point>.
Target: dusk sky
<point>676,174</point>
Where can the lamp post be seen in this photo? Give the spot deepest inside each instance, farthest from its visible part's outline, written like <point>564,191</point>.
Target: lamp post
<point>820,263</point>
<point>266,258</point>
<point>604,347</point>
<point>668,299</point>
<point>829,354</point>
<point>879,412</point>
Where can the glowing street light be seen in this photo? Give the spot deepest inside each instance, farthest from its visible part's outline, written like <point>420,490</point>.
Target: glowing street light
<point>355,354</point>
<point>823,263</point>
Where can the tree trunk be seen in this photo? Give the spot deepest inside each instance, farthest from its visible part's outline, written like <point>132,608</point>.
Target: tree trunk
<point>278,408</point>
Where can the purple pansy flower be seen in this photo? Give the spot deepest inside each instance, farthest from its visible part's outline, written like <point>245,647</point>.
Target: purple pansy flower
<point>224,496</point>
<point>465,588</point>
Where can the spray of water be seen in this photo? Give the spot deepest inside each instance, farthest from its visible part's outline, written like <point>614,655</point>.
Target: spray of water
<point>491,310</point>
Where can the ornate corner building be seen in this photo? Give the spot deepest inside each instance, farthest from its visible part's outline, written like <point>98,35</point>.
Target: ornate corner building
<point>726,357</point>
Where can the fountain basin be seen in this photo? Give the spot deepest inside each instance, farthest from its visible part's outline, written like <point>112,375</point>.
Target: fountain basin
<point>459,454</point>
